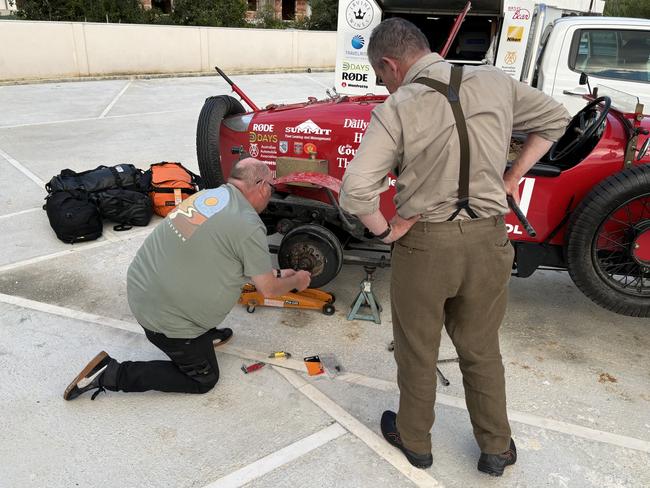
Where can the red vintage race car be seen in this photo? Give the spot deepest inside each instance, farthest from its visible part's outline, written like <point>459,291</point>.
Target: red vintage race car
<point>588,198</point>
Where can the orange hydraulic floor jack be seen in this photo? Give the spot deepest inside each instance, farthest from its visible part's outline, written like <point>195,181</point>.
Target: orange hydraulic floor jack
<point>311,299</point>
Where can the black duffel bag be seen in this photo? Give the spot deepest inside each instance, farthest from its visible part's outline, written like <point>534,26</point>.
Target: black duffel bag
<point>101,178</point>
<point>74,216</point>
<point>125,207</point>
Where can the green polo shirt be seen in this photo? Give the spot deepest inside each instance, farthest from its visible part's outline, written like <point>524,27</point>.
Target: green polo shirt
<point>188,273</point>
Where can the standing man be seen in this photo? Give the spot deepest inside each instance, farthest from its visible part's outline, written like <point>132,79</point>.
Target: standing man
<point>186,278</point>
<point>445,132</point>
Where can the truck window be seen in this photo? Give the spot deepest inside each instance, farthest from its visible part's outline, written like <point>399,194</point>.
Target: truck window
<point>614,54</point>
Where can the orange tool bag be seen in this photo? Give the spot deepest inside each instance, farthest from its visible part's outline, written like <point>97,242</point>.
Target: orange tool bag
<point>169,184</point>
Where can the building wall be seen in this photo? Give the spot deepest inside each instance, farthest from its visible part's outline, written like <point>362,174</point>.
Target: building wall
<point>42,50</point>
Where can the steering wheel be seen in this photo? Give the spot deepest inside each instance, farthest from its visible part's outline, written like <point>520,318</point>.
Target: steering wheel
<point>583,125</point>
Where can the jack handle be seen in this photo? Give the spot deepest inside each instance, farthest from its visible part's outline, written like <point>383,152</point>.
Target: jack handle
<point>237,90</point>
<point>522,218</point>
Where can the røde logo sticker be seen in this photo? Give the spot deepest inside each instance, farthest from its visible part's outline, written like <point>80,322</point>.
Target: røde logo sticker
<point>358,42</point>
<point>263,127</point>
<point>354,76</point>
<point>308,127</point>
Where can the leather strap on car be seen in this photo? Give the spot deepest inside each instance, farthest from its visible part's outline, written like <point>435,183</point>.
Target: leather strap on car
<point>452,92</point>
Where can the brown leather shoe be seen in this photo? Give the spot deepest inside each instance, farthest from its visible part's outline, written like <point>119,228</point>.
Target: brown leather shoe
<point>494,464</point>
<point>389,430</point>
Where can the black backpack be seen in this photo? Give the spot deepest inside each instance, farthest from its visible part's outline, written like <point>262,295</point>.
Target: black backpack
<point>101,178</point>
<point>125,207</point>
<point>73,216</point>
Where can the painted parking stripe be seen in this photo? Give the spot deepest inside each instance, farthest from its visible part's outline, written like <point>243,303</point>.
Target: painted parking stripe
<point>372,440</point>
<point>114,101</point>
<point>354,378</point>
<point>279,458</point>
<point>21,212</point>
<point>22,169</point>
<point>86,246</point>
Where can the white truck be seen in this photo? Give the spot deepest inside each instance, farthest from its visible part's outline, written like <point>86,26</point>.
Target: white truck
<point>545,45</point>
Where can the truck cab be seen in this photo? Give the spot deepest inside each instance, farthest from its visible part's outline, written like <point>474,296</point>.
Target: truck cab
<point>614,52</point>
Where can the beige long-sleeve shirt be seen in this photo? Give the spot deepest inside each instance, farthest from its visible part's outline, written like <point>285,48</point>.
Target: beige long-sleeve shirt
<point>414,130</point>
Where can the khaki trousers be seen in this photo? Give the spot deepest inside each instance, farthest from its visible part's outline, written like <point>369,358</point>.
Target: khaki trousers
<point>456,274</point>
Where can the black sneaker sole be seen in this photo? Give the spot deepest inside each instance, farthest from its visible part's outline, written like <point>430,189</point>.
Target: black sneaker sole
<point>84,373</point>
<point>222,341</point>
<point>492,471</point>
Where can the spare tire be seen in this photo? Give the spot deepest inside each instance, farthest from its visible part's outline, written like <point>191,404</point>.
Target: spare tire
<point>214,110</point>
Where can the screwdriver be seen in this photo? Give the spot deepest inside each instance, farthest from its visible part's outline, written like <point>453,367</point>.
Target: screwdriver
<point>280,355</point>
<point>252,367</point>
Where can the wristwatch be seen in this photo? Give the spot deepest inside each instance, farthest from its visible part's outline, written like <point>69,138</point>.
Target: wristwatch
<point>384,234</point>
<point>278,273</point>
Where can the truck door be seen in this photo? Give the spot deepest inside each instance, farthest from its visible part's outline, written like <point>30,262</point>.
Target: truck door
<point>612,55</point>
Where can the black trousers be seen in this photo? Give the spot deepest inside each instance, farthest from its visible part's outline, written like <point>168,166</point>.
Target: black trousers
<point>193,367</point>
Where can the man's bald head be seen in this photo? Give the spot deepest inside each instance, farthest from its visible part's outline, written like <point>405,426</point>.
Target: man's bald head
<point>254,180</point>
<point>248,172</point>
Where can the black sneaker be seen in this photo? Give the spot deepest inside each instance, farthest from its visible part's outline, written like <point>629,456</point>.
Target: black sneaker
<point>389,430</point>
<point>494,464</point>
<point>221,336</point>
<point>90,378</point>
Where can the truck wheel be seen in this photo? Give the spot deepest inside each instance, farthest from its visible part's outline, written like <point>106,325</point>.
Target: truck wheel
<point>207,136</point>
<point>608,243</point>
<point>313,248</point>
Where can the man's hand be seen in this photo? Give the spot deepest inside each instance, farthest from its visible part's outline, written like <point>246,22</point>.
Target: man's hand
<point>511,183</point>
<point>285,273</point>
<point>399,227</point>
<point>303,279</point>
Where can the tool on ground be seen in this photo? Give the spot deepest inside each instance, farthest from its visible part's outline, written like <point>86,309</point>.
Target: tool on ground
<point>252,367</point>
<point>280,355</point>
<point>331,365</point>
<point>443,378</point>
<point>366,299</point>
<point>309,299</point>
<point>314,365</point>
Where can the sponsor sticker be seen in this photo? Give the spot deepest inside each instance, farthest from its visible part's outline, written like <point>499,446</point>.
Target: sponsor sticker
<point>283,146</point>
<point>359,14</point>
<point>515,33</point>
<point>310,148</point>
<point>254,150</point>
<point>355,124</point>
<point>297,147</point>
<point>510,57</point>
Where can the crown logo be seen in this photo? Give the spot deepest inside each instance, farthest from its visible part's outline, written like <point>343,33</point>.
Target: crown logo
<point>358,15</point>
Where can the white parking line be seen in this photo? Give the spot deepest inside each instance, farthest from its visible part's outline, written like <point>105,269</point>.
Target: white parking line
<point>279,458</point>
<point>21,212</point>
<point>372,440</point>
<point>117,97</point>
<point>22,169</point>
<point>88,119</point>
<point>78,248</point>
<point>354,378</point>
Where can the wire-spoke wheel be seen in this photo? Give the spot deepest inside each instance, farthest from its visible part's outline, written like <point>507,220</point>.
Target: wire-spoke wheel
<point>608,250</point>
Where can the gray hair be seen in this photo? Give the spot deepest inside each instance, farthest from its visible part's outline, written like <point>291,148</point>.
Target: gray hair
<point>250,171</point>
<point>396,38</point>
